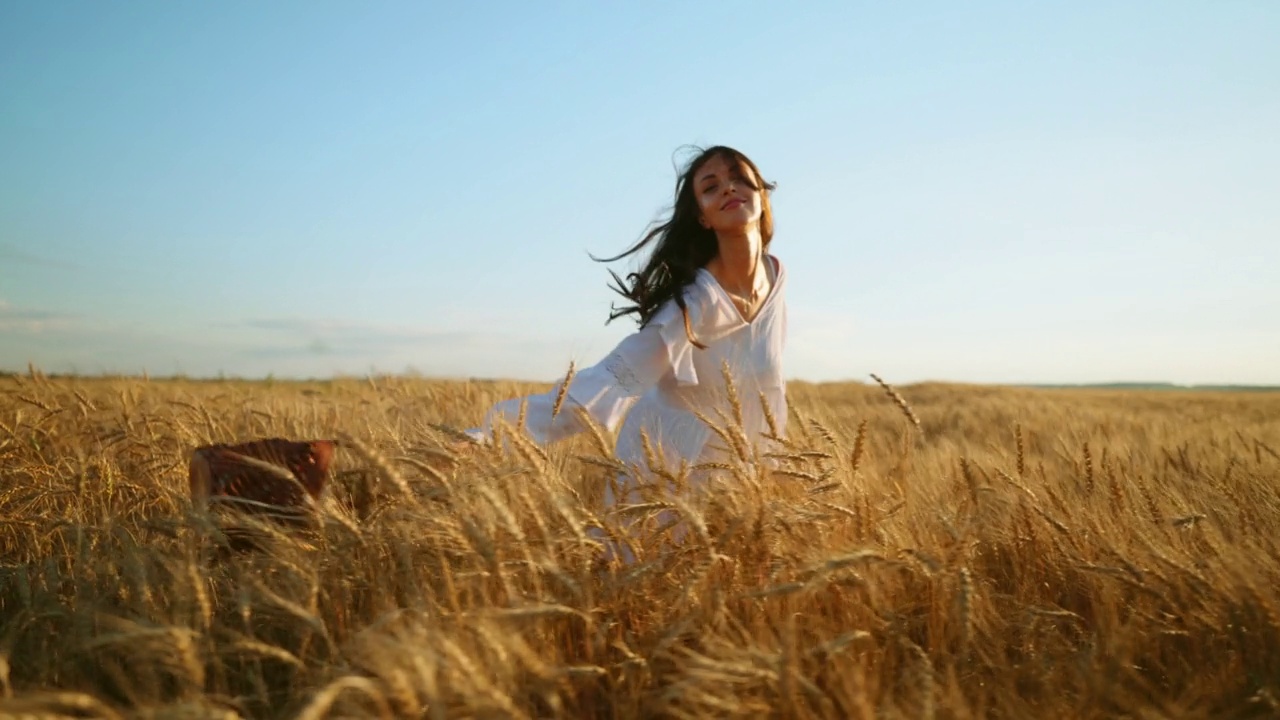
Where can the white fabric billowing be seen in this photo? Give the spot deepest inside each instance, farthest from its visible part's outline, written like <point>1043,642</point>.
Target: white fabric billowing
<point>655,380</point>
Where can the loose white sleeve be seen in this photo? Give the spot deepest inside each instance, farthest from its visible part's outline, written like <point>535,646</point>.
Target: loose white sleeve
<point>608,389</point>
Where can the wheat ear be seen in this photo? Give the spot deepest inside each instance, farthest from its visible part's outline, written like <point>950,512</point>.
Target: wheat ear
<point>899,401</point>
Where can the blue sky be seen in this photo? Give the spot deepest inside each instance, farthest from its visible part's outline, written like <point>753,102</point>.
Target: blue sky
<point>984,192</point>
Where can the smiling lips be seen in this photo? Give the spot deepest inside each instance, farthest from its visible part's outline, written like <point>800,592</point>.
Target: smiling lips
<point>731,204</point>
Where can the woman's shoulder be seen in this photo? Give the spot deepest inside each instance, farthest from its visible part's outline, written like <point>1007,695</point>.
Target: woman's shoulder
<point>705,290</point>
<point>701,299</point>
<point>705,300</point>
<point>778,269</point>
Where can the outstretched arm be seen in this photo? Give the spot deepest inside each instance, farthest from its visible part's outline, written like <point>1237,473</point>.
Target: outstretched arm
<point>608,389</point>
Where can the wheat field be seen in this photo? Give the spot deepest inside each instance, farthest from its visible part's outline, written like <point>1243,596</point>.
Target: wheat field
<point>955,552</point>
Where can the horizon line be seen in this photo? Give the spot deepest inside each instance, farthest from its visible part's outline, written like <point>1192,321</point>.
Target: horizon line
<point>145,376</point>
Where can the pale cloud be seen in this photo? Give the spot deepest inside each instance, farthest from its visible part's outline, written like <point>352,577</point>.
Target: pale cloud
<point>302,346</point>
<point>10,255</point>
<point>25,320</point>
<point>283,347</point>
<point>302,336</point>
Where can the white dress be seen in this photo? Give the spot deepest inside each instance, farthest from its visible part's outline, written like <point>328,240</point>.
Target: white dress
<point>656,379</point>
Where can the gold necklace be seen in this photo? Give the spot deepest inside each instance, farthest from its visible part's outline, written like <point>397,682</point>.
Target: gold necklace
<point>755,292</point>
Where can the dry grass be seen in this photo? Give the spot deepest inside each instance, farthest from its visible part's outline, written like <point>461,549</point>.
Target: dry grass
<point>1049,554</point>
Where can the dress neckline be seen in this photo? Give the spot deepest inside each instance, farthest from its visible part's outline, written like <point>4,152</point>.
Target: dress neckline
<point>773,264</point>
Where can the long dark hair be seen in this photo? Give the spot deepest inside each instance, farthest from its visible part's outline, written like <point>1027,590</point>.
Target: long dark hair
<point>682,244</point>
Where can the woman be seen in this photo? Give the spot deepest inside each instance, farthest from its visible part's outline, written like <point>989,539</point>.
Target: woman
<point>708,296</point>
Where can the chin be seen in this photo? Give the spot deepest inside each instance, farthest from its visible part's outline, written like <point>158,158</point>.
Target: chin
<point>737,224</point>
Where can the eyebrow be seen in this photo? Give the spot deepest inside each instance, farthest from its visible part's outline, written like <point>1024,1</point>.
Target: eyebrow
<point>734,170</point>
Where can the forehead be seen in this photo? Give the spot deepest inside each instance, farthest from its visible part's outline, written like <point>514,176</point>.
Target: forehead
<point>719,166</point>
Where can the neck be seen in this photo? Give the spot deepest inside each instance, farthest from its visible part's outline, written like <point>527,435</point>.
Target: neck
<point>739,255</point>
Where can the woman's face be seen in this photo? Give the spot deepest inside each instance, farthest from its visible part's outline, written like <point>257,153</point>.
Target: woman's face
<point>727,200</point>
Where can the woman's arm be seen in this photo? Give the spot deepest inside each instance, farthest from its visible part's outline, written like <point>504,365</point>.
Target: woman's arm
<point>608,389</point>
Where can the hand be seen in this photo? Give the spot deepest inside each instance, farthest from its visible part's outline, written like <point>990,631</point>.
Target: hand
<point>456,440</point>
<point>463,447</point>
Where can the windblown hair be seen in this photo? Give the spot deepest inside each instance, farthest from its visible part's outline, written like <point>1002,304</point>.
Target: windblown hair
<point>682,245</point>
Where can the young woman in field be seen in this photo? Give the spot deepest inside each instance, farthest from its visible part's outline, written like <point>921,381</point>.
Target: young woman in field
<point>709,296</point>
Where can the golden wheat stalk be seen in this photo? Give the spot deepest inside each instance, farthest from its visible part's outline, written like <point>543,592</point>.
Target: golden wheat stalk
<point>323,700</point>
<point>1021,461</point>
<point>57,705</point>
<point>563,391</point>
<point>899,401</point>
<point>380,463</point>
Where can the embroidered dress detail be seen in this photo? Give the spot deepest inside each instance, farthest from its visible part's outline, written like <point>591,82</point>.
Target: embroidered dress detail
<point>625,378</point>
